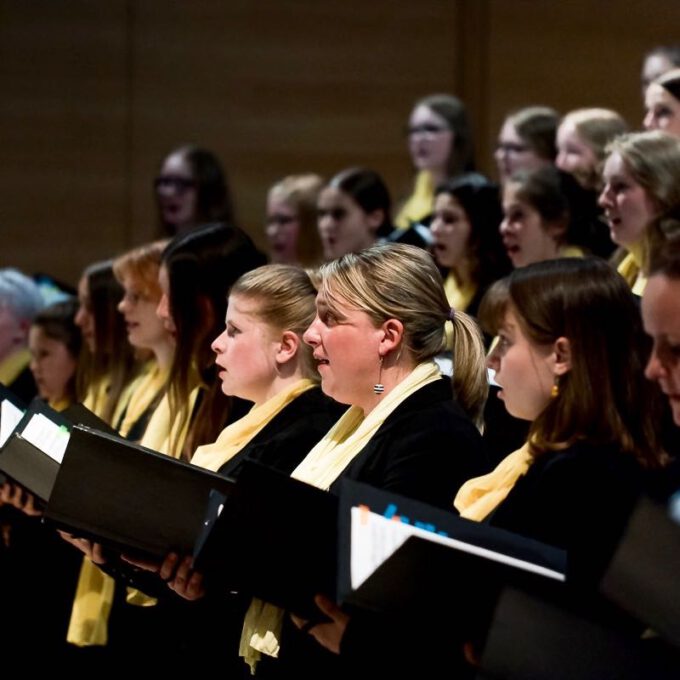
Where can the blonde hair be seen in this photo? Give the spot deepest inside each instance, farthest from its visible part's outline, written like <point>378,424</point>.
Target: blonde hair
<point>653,160</point>
<point>285,298</point>
<point>596,128</point>
<point>301,192</point>
<point>399,281</point>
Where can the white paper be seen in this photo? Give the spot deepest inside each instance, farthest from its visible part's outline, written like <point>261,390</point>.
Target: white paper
<point>375,538</point>
<point>10,415</point>
<point>46,435</point>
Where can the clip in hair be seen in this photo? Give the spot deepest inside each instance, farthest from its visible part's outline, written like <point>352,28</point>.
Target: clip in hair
<point>452,314</point>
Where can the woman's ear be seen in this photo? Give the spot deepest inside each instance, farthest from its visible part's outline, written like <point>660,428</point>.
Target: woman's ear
<point>287,347</point>
<point>557,230</point>
<point>562,356</point>
<point>393,334</point>
<point>375,219</point>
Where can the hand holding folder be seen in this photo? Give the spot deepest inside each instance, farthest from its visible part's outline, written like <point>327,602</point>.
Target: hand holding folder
<point>285,542</point>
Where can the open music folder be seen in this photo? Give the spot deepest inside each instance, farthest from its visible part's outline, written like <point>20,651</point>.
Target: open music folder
<point>33,450</point>
<point>11,411</point>
<point>130,498</point>
<point>285,541</point>
<point>398,554</point>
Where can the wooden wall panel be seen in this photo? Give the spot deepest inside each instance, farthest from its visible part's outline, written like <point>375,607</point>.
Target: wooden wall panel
<point>93,94</point>
<point>570,55</point>
<point>295,86</point>
<point>62,126</point>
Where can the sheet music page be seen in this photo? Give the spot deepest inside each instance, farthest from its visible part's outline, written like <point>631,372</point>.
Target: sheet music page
<point>375,537</point>
<point>46,435</point>
<point>10,415</point>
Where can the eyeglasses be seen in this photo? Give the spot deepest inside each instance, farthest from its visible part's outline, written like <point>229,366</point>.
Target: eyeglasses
<point>280,220</point>
<point>511,148</point>
<point>335,214</point>
<point>426,130</point>
<point>173,183</point>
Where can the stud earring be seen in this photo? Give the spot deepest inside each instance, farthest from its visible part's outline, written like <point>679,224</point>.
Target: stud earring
<point>379,388</point>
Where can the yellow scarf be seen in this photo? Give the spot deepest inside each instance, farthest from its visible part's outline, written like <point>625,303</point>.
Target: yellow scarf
<point>147,388</point>
<point>479,496</point>
<point>419,203</point>
<point>11,366</point>
<point>459,297</point>
<point>235,436</point>
<point>320,468</point>
<point>59,404</point>
<point>95,399</point>
<point>570,251</point>
<point>631,270</point>
<point>94,595</point>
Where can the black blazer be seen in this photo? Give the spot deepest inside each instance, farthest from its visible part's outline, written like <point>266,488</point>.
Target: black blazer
<point>291,434</point>
<point>426,448</point>
<point>579,500</point>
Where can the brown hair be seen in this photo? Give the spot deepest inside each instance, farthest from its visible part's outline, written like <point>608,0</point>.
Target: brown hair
<point>537,127</point>
<point>301,193</point>
<point>596,128</point>
<point>604,398</point>
<point>653,160</point>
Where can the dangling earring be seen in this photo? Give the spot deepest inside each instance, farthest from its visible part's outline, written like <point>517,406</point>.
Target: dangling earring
<point>379,388</point>
<point>555,389</point>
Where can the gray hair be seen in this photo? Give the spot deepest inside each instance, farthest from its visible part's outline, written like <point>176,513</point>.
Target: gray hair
<point>20,294</point>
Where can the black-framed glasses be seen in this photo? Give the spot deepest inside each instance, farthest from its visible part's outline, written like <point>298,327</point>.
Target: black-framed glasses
<point>425,129</point>
<point>173,183</point>
<point>336,214</point>
<point>511,148</point>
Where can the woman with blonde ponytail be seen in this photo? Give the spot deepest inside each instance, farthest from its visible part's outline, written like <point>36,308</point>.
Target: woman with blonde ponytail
<point>381,317</point>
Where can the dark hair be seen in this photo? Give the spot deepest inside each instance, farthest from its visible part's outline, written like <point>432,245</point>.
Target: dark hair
<point>537,126</point>
<point>604,398</point>
<point>481,203</point>
<point>670,81</point>
<point>368,189</point>
<point>213,197</point>
<point>57,322</point>
<point>113,358</point>
<point>452,109</point>
<point>560,199</point>
<point>665,259</point>
<point>202,265</point>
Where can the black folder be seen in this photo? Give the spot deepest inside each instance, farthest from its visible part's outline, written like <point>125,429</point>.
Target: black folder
<point>7,395</point>
<point>26,464</point>
<point>275,538</point>
<point>129,498</point>
<point>547,638</point>
<point>423,573</point>
<point>644,574</point>
<point>77,414</point>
